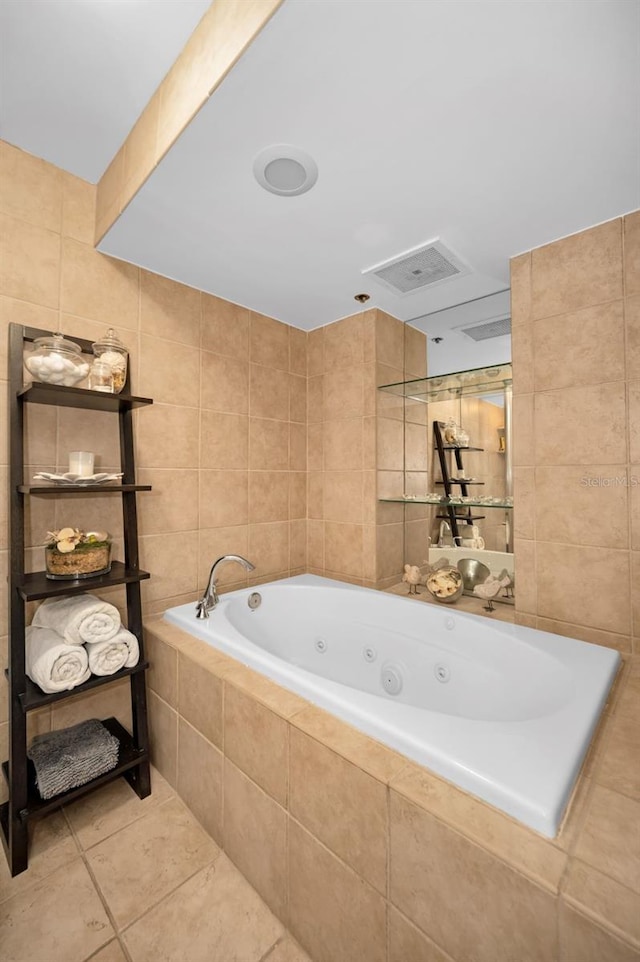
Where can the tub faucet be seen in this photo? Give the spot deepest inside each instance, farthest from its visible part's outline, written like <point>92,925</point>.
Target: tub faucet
<point>445,531</point>
<point>210,598</point>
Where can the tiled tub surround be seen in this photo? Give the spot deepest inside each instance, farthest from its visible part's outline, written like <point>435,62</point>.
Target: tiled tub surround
<point>506,713</point>
<point>358,446</point>
<point>576,432</point>
<point>364,855</point>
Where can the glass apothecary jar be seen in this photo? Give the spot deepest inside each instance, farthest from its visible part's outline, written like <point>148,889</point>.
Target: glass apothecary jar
<point>112,351</point>
<point>101,377</point>
<point>56,360</point>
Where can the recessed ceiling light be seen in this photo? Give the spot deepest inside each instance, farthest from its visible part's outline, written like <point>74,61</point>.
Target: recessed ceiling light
<point>285,170</point>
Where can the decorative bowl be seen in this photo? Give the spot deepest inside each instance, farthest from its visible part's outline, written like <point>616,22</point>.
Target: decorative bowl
<point>445,584</point>
<point>473,573</point>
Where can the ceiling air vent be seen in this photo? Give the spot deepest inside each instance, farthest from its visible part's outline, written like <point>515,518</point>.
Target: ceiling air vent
<point>495,328</point>
<point>421,267</point>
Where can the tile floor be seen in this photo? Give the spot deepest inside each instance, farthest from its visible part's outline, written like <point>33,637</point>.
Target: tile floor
<point>114,879</point>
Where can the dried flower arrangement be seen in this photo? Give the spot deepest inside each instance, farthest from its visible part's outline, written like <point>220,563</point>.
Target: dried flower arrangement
<point>72,553</point>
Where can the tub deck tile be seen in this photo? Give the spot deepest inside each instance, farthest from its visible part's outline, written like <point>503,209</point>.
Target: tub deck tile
<point>520,847</point>
<point>256,739</point>
<point>467,901</point>
<point>280,700</point>
<point>603,899</point>
<point>321,781</point>
<point>583,940</point>
<point>369,755</point>
<point>609,840</point>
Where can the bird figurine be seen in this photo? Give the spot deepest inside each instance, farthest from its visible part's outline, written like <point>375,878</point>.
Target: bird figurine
<point>413,578</point>
<point>491,589</point>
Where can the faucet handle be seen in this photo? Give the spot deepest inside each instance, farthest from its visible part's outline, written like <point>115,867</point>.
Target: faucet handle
<point>202,609</point>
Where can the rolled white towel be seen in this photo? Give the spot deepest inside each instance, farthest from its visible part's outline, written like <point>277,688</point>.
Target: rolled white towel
<point>79,618</point>
<point>107,657</point>
<point>51,663</point>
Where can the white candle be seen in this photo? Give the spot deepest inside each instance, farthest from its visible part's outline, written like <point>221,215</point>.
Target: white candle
<point>81,462</point>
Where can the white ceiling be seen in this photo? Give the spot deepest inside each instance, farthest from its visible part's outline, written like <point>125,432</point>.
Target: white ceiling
<point>496,125</point>
<point>76,74</point>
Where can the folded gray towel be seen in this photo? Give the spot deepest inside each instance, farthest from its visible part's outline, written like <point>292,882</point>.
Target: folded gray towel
<point>72,756</point>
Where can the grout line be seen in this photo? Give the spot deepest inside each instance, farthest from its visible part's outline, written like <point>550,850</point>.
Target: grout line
<point>287,808</point>
<point>169,894</point>
<point>95,955</point>
<point>387,894</point>
<point>121,827</point>
<point>339,858</point>
<point>199,469</point>
<point>429,938</point>
<point>119,930</point>
<point>279,941</point>
<point>98,890</point>
<point>627,401</point>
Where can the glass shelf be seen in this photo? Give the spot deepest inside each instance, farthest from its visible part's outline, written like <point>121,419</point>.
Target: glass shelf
<point>474,383</point>
<point>445,503</point>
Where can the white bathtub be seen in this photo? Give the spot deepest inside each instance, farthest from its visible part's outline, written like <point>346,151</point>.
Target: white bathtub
<point>504,712</point>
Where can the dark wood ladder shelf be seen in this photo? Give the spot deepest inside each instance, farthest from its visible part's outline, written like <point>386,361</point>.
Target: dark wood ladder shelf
<point>24,696</point>
<point>460,481</point>
<point>33,697</point>
<point>129,756</point>
<point>35,585</point>
<point>59,489</point>
<point>451,510</point>
<point>77,397</point>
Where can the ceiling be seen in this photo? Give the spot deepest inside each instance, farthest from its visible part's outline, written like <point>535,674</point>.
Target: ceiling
<point>76,74</point>
<point>495,125</point>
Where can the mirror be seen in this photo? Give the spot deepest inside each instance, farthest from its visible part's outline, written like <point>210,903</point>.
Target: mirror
<point>467,417</point>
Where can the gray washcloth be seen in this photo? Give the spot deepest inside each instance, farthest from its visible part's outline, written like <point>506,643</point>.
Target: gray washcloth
<point>72,756</point>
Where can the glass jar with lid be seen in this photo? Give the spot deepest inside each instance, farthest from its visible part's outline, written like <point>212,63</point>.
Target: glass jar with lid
<point>56,360</point>
<point>112,351</point>
<point>101,377</point>
<point>450,431</point>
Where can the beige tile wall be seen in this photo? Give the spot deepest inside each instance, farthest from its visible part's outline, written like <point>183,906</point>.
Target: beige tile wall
<point>365,855</point>
<point>576,474</point>
<point>357,444</point>
<point>224,444</point>
<point>225,31</point>
<point>576,414</point>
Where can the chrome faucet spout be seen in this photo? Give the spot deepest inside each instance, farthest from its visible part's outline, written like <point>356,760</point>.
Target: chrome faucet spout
<point>210,598</point>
